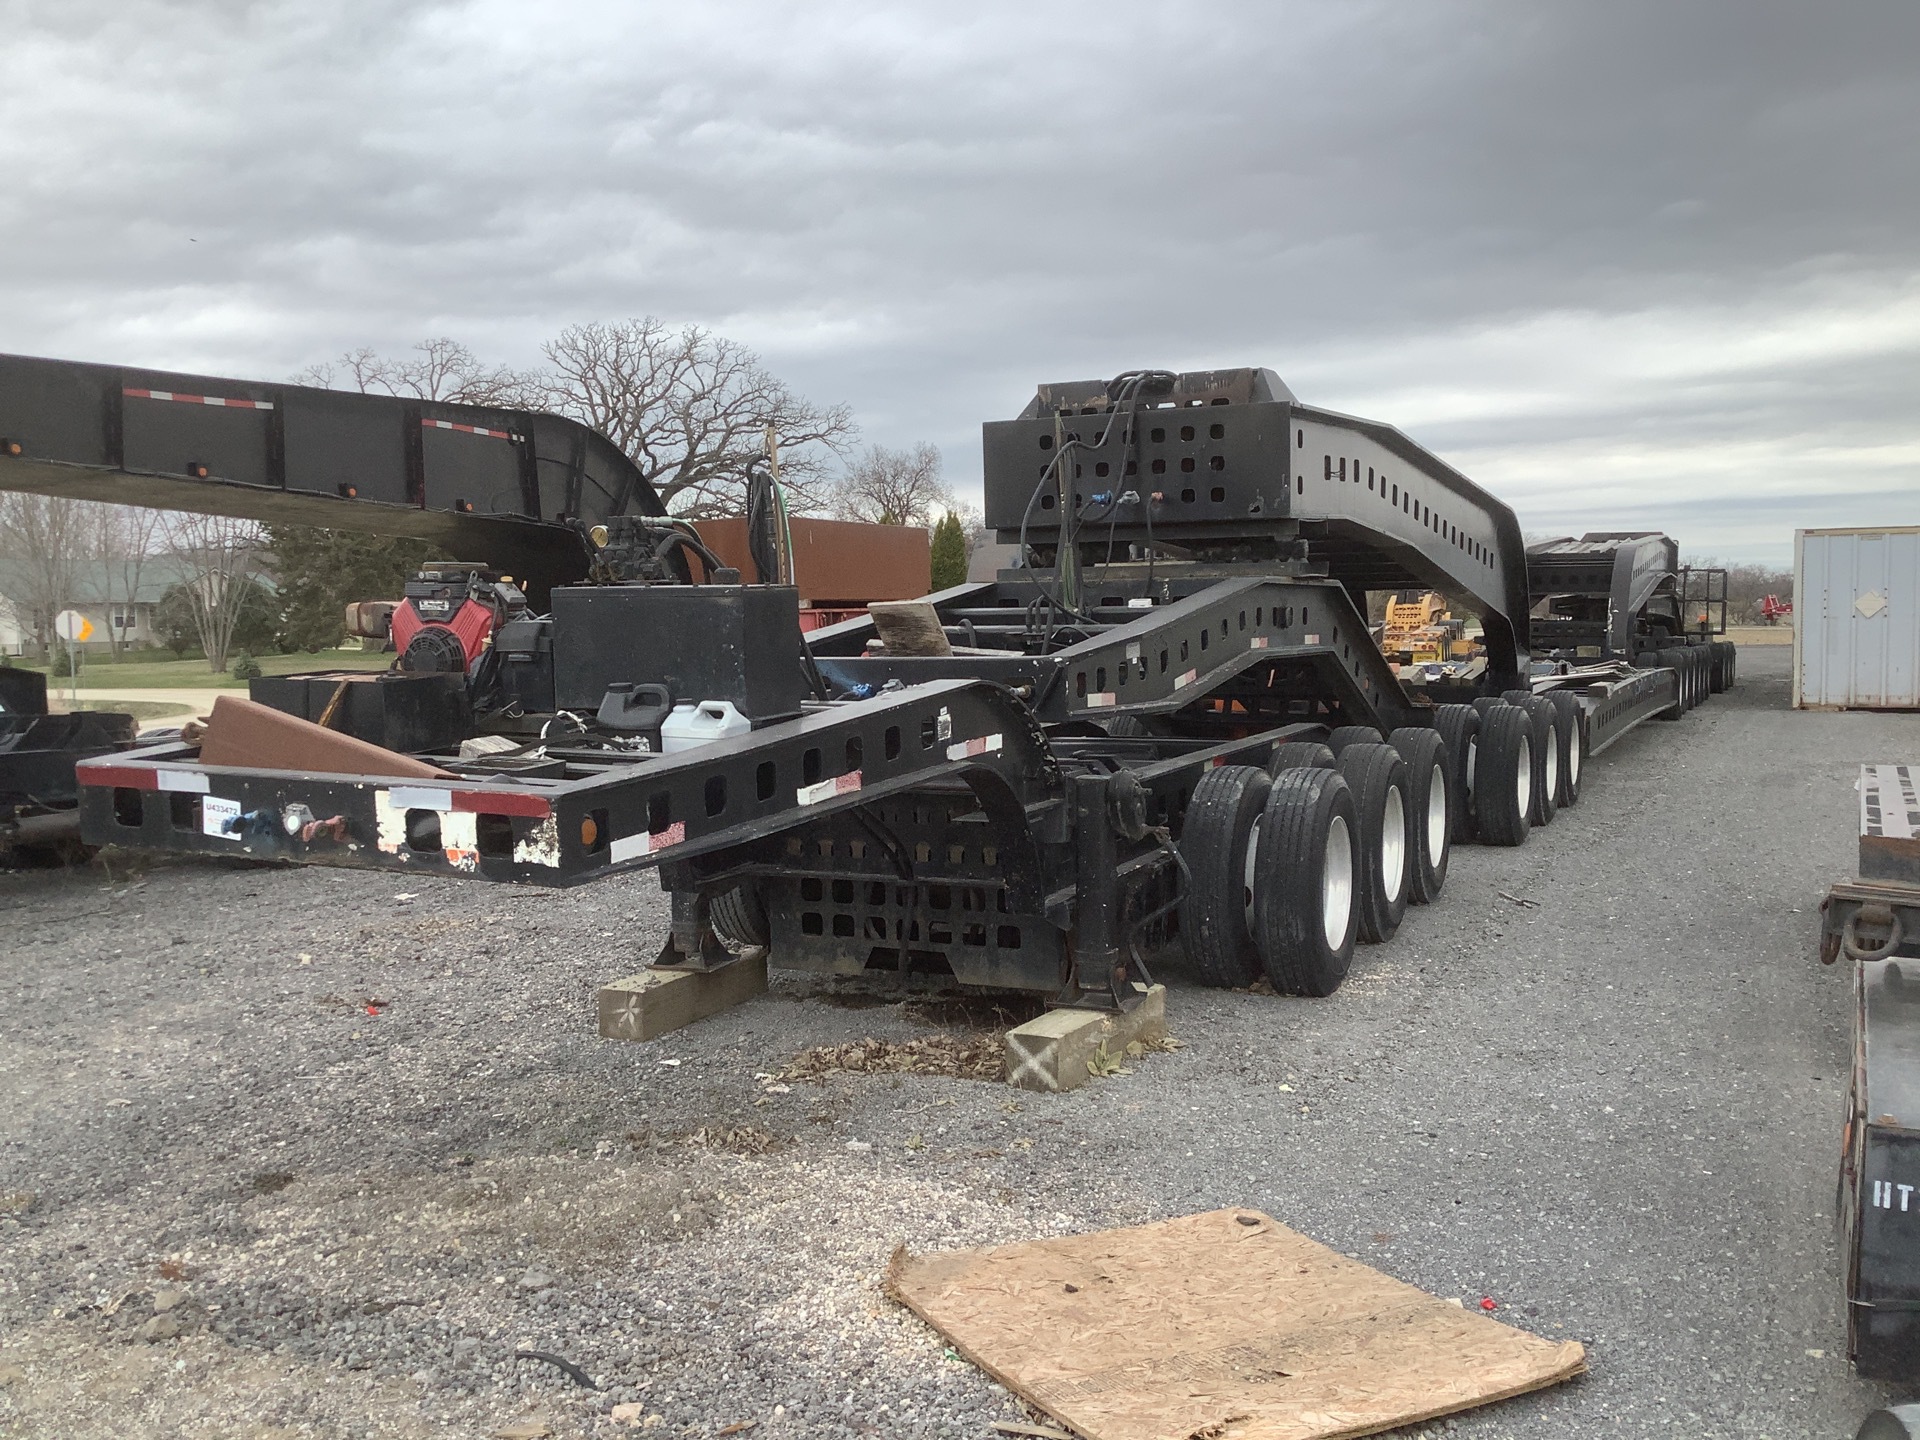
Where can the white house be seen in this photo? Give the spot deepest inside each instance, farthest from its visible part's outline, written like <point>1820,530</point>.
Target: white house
<point>99,593</point>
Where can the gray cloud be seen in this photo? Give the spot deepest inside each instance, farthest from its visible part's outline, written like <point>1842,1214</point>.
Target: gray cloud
<point>1631,263</point>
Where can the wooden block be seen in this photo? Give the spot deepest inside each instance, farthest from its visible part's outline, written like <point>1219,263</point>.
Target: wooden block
<point>653,1002</point>
<point>1051,1053</point>
<point>909,627</point>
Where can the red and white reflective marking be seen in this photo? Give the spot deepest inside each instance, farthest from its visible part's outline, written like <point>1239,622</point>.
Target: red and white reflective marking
<point>468,429</point>
<point>1312,639</point>
<point>222,402</point>
<point>827,789</point>
<point>1180,682</point>
<point>967,749</point>
<point>630,847</point>
<point>1259,642</point>
<point>470,802</point>
<point>139,777</point>
<point>1101,698</point>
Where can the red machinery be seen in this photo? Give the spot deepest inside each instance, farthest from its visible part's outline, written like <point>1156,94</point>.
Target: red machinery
<point>1773,608</point>
<point>449,612</point>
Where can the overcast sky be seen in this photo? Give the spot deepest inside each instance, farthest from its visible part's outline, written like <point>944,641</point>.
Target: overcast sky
<point>1650,265</point>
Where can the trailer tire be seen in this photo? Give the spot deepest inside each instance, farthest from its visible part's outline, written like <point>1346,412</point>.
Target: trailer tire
<point>1345,735</point>
<point>1300,755</point>
<point>1306,904</point>
<point>739,918</point>
<point>1429,809</point>
<point>1546,753</point>
<point>1719,679</point>
<point>1459,729</point>
<point>1669,660</point>
<point>1219,841</point>
<point>1126,727</point>
<point>1733,664</point>
<point>1378,778</point>
<point>1574,729</point>
<point>1482,704</point>
<point>1900,1422</point>
<point>1503,784</point>
<point>1703,661</point>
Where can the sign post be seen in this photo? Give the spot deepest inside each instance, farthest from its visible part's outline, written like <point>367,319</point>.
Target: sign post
<point>74,628</point>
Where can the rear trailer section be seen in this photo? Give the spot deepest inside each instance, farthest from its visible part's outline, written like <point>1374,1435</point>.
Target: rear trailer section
<point>1873,922</point>
<point>39,796</point>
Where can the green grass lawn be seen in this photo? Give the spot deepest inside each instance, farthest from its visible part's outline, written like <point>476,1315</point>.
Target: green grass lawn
<point>146,673</point>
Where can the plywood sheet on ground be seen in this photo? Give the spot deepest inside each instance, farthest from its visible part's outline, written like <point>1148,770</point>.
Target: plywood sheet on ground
<point>1225,1325</point>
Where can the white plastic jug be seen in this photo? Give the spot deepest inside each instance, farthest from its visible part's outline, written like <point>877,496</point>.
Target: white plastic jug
<point>693,724</point>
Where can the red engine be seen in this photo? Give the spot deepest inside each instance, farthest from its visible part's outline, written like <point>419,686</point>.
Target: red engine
<point>448,614</point>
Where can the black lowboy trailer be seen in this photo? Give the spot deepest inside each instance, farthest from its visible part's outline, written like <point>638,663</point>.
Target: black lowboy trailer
<point>1168,725</point>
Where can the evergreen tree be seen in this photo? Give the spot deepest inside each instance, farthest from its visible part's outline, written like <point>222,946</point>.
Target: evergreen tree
<point>321,571</point>
<point>949,553</point>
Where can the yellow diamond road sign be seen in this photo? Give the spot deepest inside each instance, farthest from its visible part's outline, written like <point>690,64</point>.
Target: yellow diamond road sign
<point>73,627</point>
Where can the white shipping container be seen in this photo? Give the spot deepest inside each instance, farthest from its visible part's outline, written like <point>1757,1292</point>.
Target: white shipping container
<point>1856,618</point>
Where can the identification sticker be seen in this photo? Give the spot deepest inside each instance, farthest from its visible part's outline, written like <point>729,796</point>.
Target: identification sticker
<point>214,815</point>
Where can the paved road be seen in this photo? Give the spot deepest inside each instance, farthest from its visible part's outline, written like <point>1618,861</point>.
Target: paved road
<point>184,700</point>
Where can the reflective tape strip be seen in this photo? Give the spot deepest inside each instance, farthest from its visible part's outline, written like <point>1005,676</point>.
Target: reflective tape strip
<point>967,749</point>
<point>420,797</point>
<point>502,802</point>
<point>124,777</point>
<point>632,847</point>
<point>190,782</point>
<point>1100,699</point>
<point>1180,682</point>
<point>1259,642</point>
<point>468,429</point>
<point>827,789</point>
<point>219,401</point>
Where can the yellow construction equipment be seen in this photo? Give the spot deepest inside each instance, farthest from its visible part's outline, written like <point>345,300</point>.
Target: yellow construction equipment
<point>1422,631</point>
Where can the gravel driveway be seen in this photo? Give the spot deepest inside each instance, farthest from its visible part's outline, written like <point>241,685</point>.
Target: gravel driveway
<point>289,1154</point>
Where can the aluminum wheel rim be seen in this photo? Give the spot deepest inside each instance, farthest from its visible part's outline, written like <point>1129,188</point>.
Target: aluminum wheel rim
<point>1523,777</point>
<point>1473,760</point>
<point>1393,844</point>
<point>1573,756</point>
<point>1553,767</point>
<point>1336,884</point>
<point>1436,815</point>
<point>1247,866</point>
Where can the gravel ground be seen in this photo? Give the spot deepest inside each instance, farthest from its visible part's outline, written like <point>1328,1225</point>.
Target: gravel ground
<point>289,1155</point>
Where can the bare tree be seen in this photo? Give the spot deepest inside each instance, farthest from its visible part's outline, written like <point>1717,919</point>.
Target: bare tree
<point>691,409</point>
<point>221,556</point>
<point>440,369</point>
<point>123,542</point>
<point>893,487</point>
<point>44,540</point>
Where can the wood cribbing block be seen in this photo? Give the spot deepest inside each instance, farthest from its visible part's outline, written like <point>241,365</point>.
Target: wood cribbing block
<point>1051,1052</point>
<point>653,1002</point>
<point>909,627</point>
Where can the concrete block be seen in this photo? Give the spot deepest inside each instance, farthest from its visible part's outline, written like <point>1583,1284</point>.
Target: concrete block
<point>1051,1053</point>
<point>653,1002</point>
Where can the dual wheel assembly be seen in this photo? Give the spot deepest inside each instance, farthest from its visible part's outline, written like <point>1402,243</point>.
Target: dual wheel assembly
<point>1704,669</point>
<point>1291,866</point>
